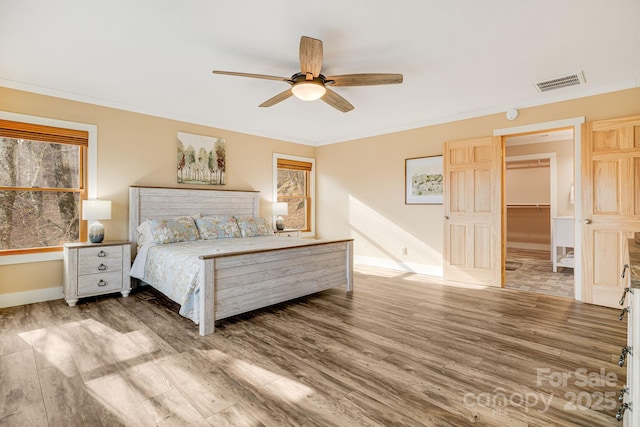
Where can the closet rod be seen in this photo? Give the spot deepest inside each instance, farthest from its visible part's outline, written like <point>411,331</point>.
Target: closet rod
<point>527,164</point>
<point>528,205</point>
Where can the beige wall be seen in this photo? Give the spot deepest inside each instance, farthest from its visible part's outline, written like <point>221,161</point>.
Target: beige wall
<point>564,171</point>
<point>360,184</point>
<point>367,202</point>
<point>136,149</point>
<point>527,185</point>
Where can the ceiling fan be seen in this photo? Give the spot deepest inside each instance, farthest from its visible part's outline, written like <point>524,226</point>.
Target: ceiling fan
<point>310,85</point>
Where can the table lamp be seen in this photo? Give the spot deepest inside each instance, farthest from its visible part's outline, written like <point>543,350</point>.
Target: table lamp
<point>279,209</point>
<point>95,210</point>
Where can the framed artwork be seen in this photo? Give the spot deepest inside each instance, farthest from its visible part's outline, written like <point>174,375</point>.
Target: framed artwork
<point>201,159</point>
<point>424,183</point>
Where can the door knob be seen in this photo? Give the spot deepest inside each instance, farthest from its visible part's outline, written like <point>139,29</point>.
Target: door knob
<point>446,217</point>
<point>587,221</point>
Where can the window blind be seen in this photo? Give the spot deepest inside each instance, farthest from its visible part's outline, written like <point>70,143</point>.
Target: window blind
<point>33,132</point>
<point>294,165</point>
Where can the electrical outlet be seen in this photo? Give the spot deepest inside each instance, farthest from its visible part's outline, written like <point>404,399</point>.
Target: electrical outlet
<point>403,250</point>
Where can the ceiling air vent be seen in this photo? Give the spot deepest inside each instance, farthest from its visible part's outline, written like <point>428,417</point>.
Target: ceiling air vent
<point>560,82</point>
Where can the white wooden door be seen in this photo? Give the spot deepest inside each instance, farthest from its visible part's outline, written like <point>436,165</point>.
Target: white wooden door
<point>473,250</point>
<point>610,205</point>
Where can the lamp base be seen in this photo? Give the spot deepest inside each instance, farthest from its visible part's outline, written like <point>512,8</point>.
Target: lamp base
<point>279,223</point>
<point>96,232</point>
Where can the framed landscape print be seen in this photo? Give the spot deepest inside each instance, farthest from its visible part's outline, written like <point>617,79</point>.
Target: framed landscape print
<point>423,181</point>
<point>201,159</point>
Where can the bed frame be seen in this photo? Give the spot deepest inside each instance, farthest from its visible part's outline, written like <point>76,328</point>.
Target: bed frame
<point>240,282</point>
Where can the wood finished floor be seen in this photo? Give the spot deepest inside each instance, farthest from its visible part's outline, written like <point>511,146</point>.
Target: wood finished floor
<point>403,350</point>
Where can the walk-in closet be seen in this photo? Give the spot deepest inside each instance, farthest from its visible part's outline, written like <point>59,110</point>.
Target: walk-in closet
<point>539,198</point>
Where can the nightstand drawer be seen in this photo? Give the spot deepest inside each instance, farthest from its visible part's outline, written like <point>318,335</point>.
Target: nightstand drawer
<point>99,260</point>
<point>99,283</point>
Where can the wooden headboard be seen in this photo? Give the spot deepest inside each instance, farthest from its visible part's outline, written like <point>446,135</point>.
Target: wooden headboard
<point>158,202</point>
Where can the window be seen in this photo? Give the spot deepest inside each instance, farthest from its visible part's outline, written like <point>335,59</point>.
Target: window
<point>42,183</point>
<point>294,185</point>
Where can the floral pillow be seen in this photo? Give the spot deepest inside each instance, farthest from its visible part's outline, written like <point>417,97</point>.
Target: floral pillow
<point>145,235</point>
<point>217,227</point>
<point>254,226</point>
<point>173,230</point>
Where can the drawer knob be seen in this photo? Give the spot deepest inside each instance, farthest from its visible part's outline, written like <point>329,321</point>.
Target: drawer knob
<point>102,283</point>
<point>621,409</point>
<point>623,355</point>
<point>623,391</point>
<point>624,294</point>
<point>624,270</point>
<point>102,254</point>
<point>102,267</point>
<point>624,310</point>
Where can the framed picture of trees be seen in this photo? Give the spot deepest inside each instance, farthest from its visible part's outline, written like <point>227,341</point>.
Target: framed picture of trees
<point>423,181</point>
<point>201,159</point>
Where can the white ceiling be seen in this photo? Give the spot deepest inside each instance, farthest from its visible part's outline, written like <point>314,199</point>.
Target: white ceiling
<point>460,59</point>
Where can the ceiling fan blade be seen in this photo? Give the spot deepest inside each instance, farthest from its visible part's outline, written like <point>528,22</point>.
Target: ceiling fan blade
<point>310,55</point>
<point>255,76</point>
<point>278,98</point>
<point>369,79</point>
<point>336,101</point>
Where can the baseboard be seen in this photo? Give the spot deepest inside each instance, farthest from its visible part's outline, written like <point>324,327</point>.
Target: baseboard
<point>30,297</point>
<point>399,266</point>
<point>531,246</point>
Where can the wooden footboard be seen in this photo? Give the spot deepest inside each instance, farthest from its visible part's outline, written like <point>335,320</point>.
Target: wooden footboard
<point>240,282</point>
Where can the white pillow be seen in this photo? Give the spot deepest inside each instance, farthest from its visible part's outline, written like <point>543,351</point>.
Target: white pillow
<point>144,233</point>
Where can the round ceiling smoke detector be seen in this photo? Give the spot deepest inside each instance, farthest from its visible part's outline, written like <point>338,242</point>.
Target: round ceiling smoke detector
<point>512,114</point>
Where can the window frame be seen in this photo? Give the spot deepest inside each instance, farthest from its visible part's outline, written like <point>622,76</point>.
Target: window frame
<point>311,184</point>
<point>89,180</point>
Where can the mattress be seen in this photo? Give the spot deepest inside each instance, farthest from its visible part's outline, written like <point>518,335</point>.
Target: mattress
<point>174,268</point>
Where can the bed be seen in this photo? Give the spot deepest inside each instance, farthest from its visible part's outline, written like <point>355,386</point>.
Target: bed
<point>230,276</point>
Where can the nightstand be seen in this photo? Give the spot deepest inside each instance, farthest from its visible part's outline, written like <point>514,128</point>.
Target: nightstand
<point>96,269</point>
<point>287,233</point>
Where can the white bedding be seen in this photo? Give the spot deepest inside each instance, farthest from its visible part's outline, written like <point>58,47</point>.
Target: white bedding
<point>174,268</point>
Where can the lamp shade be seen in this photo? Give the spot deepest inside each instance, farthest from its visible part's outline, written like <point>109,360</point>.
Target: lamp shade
<point>280,208</point>
<point>96,209</point>
<point>308,90</point>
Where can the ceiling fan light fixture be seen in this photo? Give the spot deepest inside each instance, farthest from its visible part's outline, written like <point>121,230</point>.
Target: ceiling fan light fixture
<point>309,90</point>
